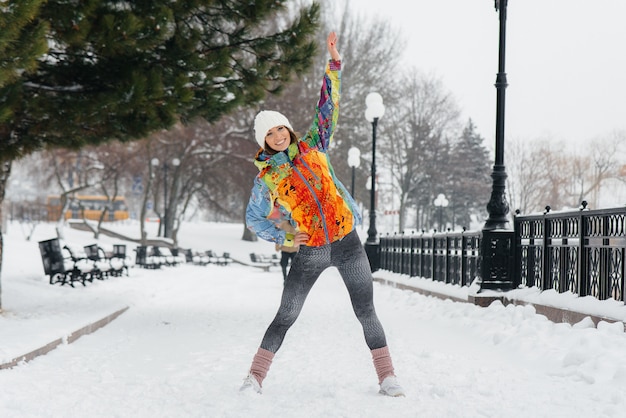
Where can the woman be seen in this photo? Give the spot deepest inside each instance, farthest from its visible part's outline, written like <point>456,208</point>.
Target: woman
<point>297,184</point>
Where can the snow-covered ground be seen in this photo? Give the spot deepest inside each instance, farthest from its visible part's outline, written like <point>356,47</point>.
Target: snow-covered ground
<point>187,340</point>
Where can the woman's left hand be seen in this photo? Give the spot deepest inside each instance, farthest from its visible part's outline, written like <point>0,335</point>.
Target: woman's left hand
<point>300,238</point>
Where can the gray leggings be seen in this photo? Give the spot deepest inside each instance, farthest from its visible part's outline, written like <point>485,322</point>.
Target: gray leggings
<point>348,255</point>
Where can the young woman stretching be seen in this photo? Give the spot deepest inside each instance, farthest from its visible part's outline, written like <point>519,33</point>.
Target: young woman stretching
<point>297,184</point>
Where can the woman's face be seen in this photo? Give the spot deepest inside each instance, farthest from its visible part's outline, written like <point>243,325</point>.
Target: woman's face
<point>278,138</point>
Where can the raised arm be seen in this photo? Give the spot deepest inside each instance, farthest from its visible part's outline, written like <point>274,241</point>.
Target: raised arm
<point>322,128</point>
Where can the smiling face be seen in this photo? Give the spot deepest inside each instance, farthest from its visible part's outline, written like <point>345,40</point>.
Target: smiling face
<point>278,138</point>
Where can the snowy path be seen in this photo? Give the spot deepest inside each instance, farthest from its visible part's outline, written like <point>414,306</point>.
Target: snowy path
<point>184,346</point>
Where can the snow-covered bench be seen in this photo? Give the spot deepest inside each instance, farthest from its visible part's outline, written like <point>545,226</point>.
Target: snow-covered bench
<point>170,258</point>
<point>61,266</point>
<point>264,261</point>
<point>103,267</point>
<point>210,257</point>
<point>145,260</point>
<point>119,257</point>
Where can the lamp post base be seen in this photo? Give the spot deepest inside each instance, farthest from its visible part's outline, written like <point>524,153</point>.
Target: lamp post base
<point>497,260</point>
<point>373,255</point>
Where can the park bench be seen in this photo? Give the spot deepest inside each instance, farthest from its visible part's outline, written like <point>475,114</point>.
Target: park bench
<point>170,258</point>
<point>220,260</point>
<point>60,266</point>
<point>224,259</point>
<point>109,263</point>
<point>264,261</point>
<point>262,258</point>
<point>179,256</point>
<point>118,256</point>
<point>211,257</point>
<point>82,263</point>
<point>200,259</point>
<point>187,253</point>
<point>143,259</point>
<point>102,264</point>
<point>160,256</point>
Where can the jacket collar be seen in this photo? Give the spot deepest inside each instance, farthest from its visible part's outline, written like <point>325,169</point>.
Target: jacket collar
<point>263,160</point>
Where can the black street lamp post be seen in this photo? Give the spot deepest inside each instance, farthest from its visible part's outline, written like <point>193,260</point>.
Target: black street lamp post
<point>497,239</point>
<point>164,218</point>
<point>373,112</point>
<point>498,207</point>
<point>354,161</point>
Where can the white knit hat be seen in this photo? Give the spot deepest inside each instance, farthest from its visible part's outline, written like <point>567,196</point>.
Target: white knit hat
<point>266,120</point>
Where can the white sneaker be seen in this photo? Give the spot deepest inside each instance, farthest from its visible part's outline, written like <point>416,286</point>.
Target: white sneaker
<point>251,382</point>
<point>390,387</point>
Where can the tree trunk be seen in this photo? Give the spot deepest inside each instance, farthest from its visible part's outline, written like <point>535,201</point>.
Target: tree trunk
<point>1,251</point>
<point>5,172</point>
<point>144,210</point>
<point>247,234</point>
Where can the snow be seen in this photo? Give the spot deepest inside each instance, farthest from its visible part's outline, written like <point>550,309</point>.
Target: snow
<point>184,345</point>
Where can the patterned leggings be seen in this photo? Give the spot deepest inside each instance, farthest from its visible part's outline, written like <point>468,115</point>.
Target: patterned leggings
<point>348,255</point>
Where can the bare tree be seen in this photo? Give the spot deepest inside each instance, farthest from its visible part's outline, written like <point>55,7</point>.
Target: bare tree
<point>424,118</point>
<point>544,172</point>
<point>68,171</point>
<point>111,177</point>
<point>604,161</point>
<point>369,48</point>
<point>529,171</point>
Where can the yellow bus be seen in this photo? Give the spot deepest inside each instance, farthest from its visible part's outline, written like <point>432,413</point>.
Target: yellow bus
<point>88,207</point>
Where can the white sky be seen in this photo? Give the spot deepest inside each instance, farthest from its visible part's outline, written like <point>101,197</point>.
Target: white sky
<point>565,61</point>
<point>186,342</point>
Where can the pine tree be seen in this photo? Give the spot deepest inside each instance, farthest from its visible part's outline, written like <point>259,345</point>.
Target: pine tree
<point>469,176</point>
<point>120,70</point>
<point>76,73</point>
<point>21,43</point>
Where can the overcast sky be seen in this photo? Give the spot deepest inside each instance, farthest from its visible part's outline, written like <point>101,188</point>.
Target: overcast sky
<point>565,61</point>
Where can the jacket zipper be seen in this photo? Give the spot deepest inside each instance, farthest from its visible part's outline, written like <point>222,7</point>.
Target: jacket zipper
<point>317,202</point>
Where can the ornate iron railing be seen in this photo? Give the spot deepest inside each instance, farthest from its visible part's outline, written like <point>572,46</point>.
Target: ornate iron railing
<point>582,251</point>
<point>448,257</point>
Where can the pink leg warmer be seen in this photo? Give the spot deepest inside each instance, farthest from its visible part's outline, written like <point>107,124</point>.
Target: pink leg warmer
<point>261,364</point>
<point>382,363</point>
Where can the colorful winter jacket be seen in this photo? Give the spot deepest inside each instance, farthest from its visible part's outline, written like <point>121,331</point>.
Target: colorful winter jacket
<point>299,184</point>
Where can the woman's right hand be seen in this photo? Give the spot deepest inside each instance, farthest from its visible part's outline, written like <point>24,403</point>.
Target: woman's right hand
<point>331,44</point>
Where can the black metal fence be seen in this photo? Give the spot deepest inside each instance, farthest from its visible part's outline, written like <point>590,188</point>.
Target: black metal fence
<point>582,252</point>
<point>579,251</point>
<point>448,257</point>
